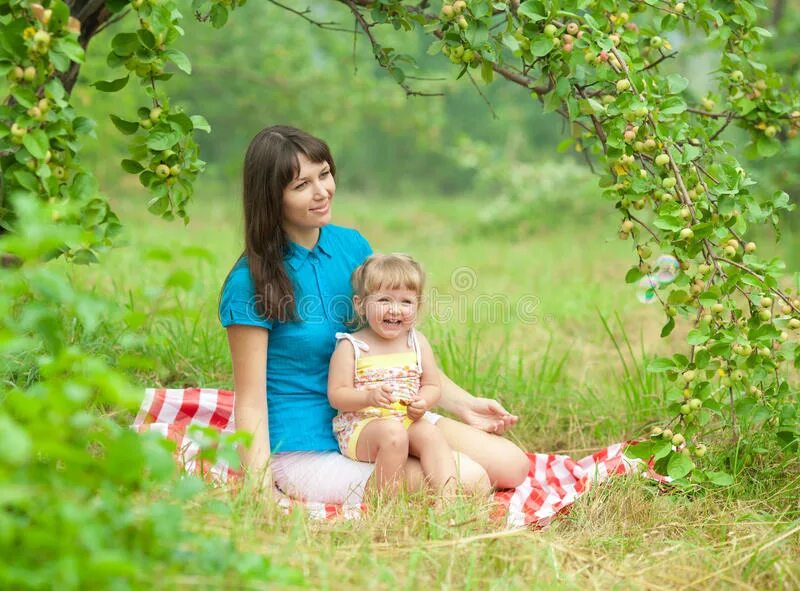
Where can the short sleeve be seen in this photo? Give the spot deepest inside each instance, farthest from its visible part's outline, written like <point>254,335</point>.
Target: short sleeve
<point>364,249</point>
<point>238,302</point>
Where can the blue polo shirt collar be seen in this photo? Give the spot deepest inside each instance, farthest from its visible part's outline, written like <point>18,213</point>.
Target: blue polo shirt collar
<point>298,254</point>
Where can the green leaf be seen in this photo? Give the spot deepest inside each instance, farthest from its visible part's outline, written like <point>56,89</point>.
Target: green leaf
<point>510,41</point>
<point>564,145</point>
<point>679,465</point>
<point>720,478</point>
<point>642,450</point>
<point>125,43</point>
<point>158,205</point>
<point>112,85</point>
<point>666,330</point>
<point>132,166</point>
<point>541,46</point>
<point>673,105</point>
<point>660,364</point>
<point>72,49</point>
<point>533,10</point>
<point>37,143</point>
<point>698,336</point>
<point>199,122</point>
<point>633,275</point>
<point>661,448</point>
<point>126,127</point>
<point>15,443</point>
<point>676,83</point>
<point>162,140</point>
<point>179,59</point>
<point>767,146</point>
<point>180,279</point>
<point>487,72</point>
<point>219,16</point>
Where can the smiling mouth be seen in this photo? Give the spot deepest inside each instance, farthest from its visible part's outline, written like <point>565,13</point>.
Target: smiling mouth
<point>322,207</point>
<point>393,322</point>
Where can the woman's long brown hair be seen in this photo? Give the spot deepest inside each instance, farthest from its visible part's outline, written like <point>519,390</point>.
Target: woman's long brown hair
<point>271,163</point>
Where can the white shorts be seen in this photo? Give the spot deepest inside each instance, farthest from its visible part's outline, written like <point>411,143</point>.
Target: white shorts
<point>325,476</point>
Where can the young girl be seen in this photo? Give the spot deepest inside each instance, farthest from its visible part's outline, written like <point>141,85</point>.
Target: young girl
<point>383,378</point>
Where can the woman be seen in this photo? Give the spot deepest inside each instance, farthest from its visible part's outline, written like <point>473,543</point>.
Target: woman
<point>283,303</point>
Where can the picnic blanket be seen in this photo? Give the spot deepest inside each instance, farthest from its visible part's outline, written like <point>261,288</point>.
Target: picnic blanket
<point>554,481</point>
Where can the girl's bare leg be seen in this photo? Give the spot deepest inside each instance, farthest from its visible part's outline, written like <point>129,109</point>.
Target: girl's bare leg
<point>505,463</point>
<point>384,442</point>
<point>428,444</point>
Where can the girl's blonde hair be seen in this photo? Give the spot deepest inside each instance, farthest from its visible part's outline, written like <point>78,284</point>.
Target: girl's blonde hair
<point>387,271</point>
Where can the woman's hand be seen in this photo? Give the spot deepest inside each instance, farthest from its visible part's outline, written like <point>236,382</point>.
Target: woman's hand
<point>381,396</point>
<point>487,415</point>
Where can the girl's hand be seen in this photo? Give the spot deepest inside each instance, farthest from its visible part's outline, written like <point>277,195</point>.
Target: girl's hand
<point>488,415</point>
<point>416,408</point>
<point>380,396</point>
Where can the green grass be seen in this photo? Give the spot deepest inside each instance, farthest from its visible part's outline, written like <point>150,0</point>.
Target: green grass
<point>573,368</point>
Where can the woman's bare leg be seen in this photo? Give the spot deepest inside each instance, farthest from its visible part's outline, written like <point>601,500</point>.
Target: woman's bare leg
<point>384,442</point>
<point>505,463</point>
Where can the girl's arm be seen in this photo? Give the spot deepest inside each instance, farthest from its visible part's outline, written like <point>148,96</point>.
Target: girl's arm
<point>342,393</point>
<point>430,384</point>
<point>248,345</point>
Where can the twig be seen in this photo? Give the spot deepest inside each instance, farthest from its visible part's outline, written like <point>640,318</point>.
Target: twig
<point>663,57</point>
<point>482,95</point>
<point>302,14</point>
<point>722,115</point>
<point>717,133</point>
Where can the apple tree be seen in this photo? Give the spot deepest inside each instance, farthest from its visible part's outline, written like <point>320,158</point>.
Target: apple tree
<point>606,66</point>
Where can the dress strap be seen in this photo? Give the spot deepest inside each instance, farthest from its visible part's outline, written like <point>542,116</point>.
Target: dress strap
<point>414,343</point>
<point>358,345</point>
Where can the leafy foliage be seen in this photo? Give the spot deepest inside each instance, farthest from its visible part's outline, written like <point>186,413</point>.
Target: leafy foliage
<point>667,169</point>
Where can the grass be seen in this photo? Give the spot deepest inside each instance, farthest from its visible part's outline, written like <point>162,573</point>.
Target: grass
<point>546,324</point>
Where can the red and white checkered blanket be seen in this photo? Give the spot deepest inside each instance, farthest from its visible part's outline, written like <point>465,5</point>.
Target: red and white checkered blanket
<point>554,482</point>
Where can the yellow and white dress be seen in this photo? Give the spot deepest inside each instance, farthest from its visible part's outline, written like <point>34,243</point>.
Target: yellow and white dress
<point>402,371</point>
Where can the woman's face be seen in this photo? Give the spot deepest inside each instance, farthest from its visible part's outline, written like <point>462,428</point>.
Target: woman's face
<point>307,198</point>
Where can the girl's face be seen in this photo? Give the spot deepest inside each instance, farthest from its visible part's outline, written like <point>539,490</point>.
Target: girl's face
<point>307,199</point>
<point>390,312</point>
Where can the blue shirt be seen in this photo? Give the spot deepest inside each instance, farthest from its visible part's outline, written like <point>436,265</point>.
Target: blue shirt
<point>298,353</point>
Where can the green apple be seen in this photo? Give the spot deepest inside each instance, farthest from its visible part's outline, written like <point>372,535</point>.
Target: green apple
<point>662,160</point>
<point>623,85</point>
<point>686,234</point>
<point>750,247</point>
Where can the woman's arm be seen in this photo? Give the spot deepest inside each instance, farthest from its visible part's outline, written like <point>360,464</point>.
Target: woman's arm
<point>342,393</point>
<point>248,345</point>
<point>482,413</point>
<point>430,385</point>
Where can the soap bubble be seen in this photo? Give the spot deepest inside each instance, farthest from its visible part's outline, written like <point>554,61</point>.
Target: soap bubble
<point>646,292</point>
<point>667,269</point>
